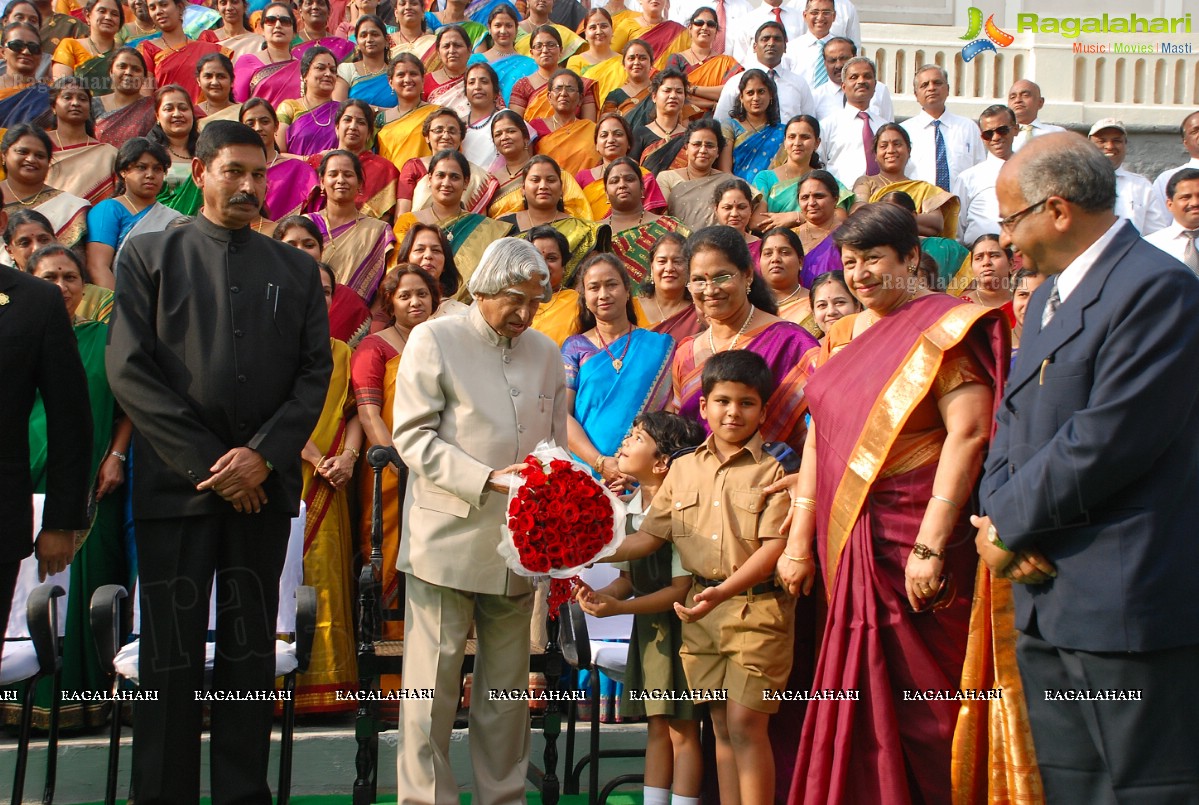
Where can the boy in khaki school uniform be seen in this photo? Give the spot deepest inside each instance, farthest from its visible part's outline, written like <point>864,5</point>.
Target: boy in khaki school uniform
<point>738,625</point>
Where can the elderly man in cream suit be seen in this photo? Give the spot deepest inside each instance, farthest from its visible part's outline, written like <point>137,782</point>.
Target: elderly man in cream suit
<point>474,396</point>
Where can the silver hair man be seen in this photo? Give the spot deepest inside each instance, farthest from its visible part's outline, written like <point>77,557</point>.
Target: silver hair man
<point>508,262</point>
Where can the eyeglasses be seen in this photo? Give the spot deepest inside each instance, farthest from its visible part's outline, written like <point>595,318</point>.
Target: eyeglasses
<point>1009,223</point>
<point>815,13</point>
<point>545,46</point>
<point>438,131</point>
<point>20,46</point>
<point>706,24</point>
<point>273,20</point>
<point>719,281</point>
<point>563,90</point>
<point>1002,131</point>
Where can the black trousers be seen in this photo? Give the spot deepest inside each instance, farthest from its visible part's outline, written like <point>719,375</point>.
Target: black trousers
<point>8,584</point>
<point>1100,752</point>
<point>177,559</point>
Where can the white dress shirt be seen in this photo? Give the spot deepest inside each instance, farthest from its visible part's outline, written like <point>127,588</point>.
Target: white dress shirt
<point>975,187</point>
<point>1170,240</point>
<point>805,53</point>
<point>794,96</point>
<point>1073,274</point>
<point>734,10</point>
<point>847,23</point>
<point>740,40</point>
<point>1038,129</point>
<point>1134,201</point>
<point>830,97</point>
<point>841,147</point>
<point>1161,211</point>
<point>963,145</point>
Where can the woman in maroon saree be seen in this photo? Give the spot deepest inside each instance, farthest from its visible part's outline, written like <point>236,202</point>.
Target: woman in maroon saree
<point>886,482</point>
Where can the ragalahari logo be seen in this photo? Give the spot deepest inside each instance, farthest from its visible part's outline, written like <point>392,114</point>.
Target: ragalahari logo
<point>994,36</point>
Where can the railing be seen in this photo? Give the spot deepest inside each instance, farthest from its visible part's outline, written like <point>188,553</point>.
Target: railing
<point>1144,90</point>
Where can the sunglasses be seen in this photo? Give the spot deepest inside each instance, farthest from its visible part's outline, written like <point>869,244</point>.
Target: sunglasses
<point>1001,131</point>
<point>273,20</point>
<point>705,24</point>
<point>20,46</point>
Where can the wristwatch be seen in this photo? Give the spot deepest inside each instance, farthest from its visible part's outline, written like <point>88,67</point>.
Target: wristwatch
<point>119,456</point>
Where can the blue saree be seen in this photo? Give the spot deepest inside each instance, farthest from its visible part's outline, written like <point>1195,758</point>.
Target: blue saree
<point>607,400</point>
<point>510,69</point>
<point>754,151</point>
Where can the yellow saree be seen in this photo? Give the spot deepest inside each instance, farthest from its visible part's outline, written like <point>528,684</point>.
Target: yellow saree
<point>572,146</point>
<point>608,74</point>
<point>558,317</point>
<point>401,140</point>
<point>928,198</point>
<point>328,556</point>
<point>510,198</point>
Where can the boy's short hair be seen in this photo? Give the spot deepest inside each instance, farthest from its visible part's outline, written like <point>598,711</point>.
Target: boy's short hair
<point>670,432</point>
<point>739,366</point>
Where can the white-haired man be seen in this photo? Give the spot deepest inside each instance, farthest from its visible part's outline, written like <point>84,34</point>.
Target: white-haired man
<point>474,395</point>
<point>943,144</point>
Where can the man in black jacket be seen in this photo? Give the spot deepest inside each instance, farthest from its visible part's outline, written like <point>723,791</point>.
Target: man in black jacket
<point>38,354</point>
<point>219,353</point>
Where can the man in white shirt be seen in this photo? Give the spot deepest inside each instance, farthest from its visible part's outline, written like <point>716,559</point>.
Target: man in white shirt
<point>1178,239</point>
<point>1134,193</point>
<point>1190,141</point>
<point>743,30</point>
<point>1025,101</point>
<point>943,144</point>
<point>975,187</point>
<point>808,50</point>
<point>846,24</point>
<point>829,96</point>
<point>770,47</point>
<point>846,135</point>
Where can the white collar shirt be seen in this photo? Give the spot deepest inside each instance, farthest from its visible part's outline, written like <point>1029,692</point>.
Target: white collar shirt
<point>829,98</point>
<point>1161,211</point>
<point>1170,240</point>
<point>794,96</point>
<point>739,42</point>
<point>846,24</point>
<point>1134,201</point>
<point>841,144</point>
<point>975,188</point>
<point>1073,274</point>
<point>963,145</point>
<point>806,52</point>
<point>1038,129</point>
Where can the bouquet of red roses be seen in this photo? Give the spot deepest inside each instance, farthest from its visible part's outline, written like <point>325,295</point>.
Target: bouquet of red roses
<point>560,519</point>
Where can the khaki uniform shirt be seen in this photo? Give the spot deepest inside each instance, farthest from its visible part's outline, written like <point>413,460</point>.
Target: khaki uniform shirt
<point>716,513</point>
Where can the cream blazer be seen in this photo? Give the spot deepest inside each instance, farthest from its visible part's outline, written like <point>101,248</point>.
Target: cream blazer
<point>468,402</point>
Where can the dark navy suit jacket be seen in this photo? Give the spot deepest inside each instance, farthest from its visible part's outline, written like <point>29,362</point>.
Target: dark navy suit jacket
<point>1096,458</point>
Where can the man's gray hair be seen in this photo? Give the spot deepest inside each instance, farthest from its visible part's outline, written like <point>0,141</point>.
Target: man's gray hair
<point>508,262</point>
<point>924,68</point>
<point>1076,171</point>
<point>859,60</point>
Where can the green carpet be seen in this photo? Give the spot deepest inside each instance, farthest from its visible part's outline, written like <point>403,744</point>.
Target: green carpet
<point>617,798</point>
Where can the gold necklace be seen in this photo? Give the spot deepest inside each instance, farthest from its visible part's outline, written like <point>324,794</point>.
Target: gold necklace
<point>183,157</point>
<point>133,204</point>
<point>21,201</point>
<point>732,344</point>
<point>617,363</point>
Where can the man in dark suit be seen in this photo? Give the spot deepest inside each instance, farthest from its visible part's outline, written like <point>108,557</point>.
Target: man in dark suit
<point>219,353</point>
<point>38,353</point>
<point>1092,487</point>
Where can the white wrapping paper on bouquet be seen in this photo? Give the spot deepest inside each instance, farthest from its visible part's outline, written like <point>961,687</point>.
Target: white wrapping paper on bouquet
<point>545,452</point>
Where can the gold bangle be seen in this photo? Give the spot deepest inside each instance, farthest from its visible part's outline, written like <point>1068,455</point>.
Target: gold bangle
<point>946,501</point>
<point>598,464</point>
<point>798,501</point>
<point>352,451</point>
<point>797,558</point>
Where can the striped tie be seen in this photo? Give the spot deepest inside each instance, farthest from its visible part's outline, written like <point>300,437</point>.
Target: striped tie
<point>1051,305</point>
<point>942,157</point>
<point>819,71</point>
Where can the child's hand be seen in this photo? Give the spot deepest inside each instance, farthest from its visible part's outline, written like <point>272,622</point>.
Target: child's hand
<point>797,578</point>
<point>788,483</point>
<point>704,602</point>
<point>599,605</point>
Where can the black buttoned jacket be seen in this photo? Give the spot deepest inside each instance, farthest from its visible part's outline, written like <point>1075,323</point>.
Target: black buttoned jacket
<point>219,339</point>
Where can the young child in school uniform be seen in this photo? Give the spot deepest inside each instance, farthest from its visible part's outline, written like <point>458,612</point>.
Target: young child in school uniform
<point>738,624</point>
<point>648,589</point>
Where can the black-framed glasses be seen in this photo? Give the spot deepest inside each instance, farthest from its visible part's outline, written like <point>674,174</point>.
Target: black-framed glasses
<point>20,46</point>
<point>1002,131</point>
<point>1009,223</point>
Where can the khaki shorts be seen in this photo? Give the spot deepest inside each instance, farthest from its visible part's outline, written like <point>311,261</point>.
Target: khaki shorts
<point>745,646</point>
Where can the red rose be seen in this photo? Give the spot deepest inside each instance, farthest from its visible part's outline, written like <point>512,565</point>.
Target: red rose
<point>559,465</point>
<point>524,522</point>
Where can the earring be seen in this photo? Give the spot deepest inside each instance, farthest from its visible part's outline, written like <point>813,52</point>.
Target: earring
<point>912,270</point>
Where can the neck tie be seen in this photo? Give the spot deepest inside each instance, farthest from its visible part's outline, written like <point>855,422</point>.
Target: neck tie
<point>778,14</point>
<point>1025,133</point>
<point>1189,254</point>
<point>868,144</point>
<point>942,157</point>
<point>1051,305</point>
<point>819,71</point>
<point>722,21</point>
